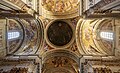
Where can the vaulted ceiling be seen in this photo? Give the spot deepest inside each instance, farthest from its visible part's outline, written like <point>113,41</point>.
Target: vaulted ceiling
<point>60,37</point>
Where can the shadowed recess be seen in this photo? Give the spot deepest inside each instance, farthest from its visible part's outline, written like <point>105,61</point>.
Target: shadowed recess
<point>59,33</point>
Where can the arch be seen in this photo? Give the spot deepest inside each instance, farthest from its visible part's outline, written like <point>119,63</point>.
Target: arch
<point>34,39</point>
<point>94,25</point>
<point>60,52</point>
<point>52,70</point>
<point>58,60</point>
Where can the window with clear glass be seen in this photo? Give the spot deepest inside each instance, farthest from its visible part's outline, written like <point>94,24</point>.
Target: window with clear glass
<point>13,35</point>
<point>106,35</point>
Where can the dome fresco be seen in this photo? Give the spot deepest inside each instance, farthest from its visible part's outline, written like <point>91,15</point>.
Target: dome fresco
<point>59,33</point>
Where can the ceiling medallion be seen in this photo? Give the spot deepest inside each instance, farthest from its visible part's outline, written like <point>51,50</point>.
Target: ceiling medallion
<point>59,34</point>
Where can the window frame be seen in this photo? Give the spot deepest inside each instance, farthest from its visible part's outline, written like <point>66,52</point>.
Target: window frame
<point>104,38</point>
<point>20,35</point>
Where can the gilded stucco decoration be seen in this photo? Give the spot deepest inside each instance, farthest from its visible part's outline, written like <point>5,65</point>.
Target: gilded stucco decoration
<point>105,65</point>
<point>49,46</point>
<point>33,36</point>
<point>85,34</point>
<point>88,37</point>
<point>60,65</point>
<point>105,26</point>
<point>60,60</point>
<point>60,6</point>
<point>57,8</point>
<point>117,38</point>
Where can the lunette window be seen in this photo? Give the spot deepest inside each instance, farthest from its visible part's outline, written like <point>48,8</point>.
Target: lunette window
<point>13,35</point>
<point>106,35</point>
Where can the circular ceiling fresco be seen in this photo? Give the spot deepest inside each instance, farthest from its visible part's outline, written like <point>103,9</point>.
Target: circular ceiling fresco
<point>59,33</point>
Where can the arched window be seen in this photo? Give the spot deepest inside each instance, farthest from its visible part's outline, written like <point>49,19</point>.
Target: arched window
<point>13,35</point>
<point>106,35</point>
